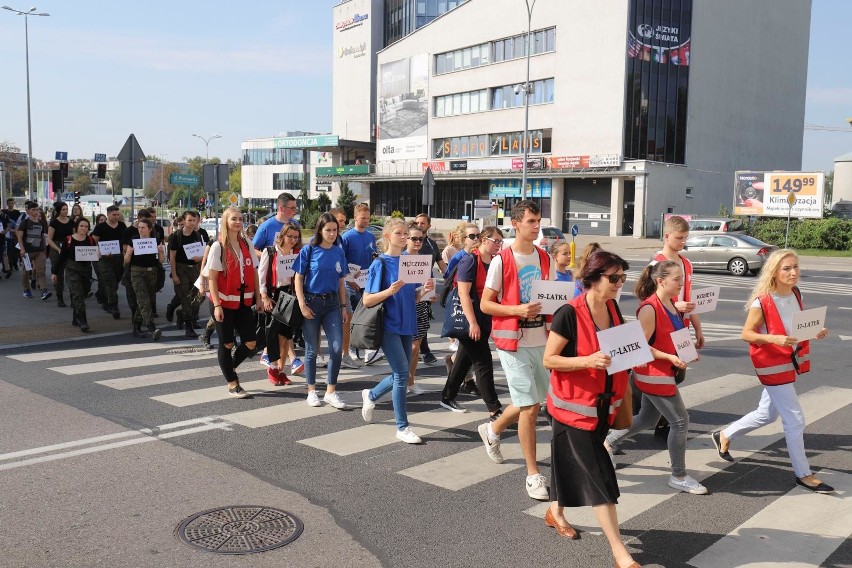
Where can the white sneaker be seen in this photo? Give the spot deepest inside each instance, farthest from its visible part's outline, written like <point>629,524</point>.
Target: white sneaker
<point>687,485</point>
<point>416,390</point>
<point>368,406</point>
<point>321,362</point>
<point>334,400</point>
<point>537,487</point>
<point>371,357</point>
<point>492,448</point>
<point>408,436</point>
<point>313,399</point>
<point>353,354</point>
<point>348,362</point>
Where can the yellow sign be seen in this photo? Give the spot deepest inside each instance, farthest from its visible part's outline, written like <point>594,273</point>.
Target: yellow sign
<point>791,199</point>
<point>233,199</point>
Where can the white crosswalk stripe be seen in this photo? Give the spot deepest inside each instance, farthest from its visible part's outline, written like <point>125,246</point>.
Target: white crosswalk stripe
<point>701,279</point>
<point>818,529</point>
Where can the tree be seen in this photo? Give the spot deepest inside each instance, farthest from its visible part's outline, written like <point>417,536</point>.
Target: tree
<point>323,202</point>
<point>10,156</point>
<point>82,183</point>
<point>346,200</point>
<point>235,178</point>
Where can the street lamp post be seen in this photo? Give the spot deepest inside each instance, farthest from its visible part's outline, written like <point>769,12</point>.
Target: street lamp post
<point>207,159</point>
<point>26,15</point>
<point>527,90</point>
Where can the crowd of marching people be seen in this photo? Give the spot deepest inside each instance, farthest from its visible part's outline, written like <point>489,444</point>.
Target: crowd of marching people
<point>271,291</point>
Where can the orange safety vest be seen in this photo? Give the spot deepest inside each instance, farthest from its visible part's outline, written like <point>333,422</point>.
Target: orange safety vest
<point>237,281</point>
<point>505,330</point>
<point>657,377</point>
<point>687,280</point>
<point>777,364</point>
<point>574,396</point>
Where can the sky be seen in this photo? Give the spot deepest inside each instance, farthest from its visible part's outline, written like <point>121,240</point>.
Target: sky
<point>167,70</point>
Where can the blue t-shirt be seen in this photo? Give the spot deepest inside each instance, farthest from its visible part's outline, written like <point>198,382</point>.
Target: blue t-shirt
<point>265,236</point>
<point>359,247</point>
<point>578,287</point>
<point>563,276</point>
<point>400,310</point>
<point>327,267</point>
<point>454,261</point>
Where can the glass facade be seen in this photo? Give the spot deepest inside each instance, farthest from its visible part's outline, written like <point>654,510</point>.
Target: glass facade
<point>505,49</point>
<point>658,54</point>
<point>288,182</point>
<point>505,96</point>
<point>404,16</point>
<point>272,157</point>
<point>461,103</point>
<point>453,198</point>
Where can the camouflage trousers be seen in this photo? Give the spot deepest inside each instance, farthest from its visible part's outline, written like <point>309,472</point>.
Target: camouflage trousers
<point>186,290</point>
<point>78,277</point>
<point>110,270</point>
<point>144,283</point>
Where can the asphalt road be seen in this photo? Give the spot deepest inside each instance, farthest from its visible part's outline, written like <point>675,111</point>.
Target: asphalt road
<point>82,486</point>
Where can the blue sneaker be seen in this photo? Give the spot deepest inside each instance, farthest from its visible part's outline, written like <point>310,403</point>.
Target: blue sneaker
<point>297,367</point>
<point>28,294</point>
<point>264,360</point>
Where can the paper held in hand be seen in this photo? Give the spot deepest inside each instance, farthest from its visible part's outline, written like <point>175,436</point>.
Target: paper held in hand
<point>353,271</point>
<point>284,267</point>
<point>28,266</point>
<point>144,246</point>
<point>808,323</point>
<point>627,346</point>
<point>193,250</point>
<point>109,247</point>
<point>706,299</point>
<point>684,347</point>
<point>415,268</point>
<point>551,294</point>
<point>85,254</point>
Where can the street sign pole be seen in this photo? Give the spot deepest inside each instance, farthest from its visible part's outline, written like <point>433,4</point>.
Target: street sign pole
<point>791,200</point>
<point>428,183</point>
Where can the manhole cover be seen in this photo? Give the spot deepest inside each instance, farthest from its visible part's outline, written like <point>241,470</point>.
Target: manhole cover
<point>187,351</point>
<point>241,529</point>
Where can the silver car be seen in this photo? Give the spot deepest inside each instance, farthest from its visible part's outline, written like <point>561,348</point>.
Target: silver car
<point>738,254</point>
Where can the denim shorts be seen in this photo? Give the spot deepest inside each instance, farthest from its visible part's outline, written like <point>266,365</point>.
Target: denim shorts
<point>526,375</point>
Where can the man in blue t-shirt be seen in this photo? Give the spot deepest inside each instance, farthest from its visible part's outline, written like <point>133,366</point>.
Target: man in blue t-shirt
<point>359,245</point>
<point>265,236</point>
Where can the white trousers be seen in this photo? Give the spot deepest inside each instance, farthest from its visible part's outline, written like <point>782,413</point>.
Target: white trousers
<point>780,400</point>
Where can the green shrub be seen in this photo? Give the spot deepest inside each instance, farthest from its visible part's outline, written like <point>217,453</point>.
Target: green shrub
<point>827,234</point>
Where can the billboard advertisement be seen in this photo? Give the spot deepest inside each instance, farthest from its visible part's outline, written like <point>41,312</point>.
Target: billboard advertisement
<point>766,194</point>
<point>661,33</point>
<point>403,109</point>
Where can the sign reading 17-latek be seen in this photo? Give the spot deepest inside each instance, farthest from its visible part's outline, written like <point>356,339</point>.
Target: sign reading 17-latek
<point>183,179</point>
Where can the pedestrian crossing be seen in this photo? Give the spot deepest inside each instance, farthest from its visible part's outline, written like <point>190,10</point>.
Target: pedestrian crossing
<point>806,285</point>
<point>135,369</point>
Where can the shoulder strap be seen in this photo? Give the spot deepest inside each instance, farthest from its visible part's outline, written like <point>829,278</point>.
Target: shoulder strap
<point>270,253</point>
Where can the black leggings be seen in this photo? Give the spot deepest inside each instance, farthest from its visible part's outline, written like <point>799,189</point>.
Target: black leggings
<point>242,322</point>
<point>477,354</point>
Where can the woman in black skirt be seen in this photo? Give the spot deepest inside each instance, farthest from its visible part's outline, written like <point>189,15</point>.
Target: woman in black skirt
<point>583,401</point>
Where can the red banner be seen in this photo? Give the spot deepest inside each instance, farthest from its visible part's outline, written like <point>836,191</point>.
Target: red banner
<point>436,166</point>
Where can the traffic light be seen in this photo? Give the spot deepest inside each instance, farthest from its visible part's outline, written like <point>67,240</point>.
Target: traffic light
<point>102,171</point>
<point>201,202</point>
<point>76,197</point>
<point>63,168</point>
<point>56,180</point>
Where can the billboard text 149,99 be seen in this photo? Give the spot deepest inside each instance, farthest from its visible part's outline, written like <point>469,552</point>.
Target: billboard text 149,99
<point>765,194</point>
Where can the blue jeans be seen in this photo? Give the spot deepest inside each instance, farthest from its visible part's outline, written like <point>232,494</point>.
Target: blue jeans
<point>397,349</point>
<point>326,315</point>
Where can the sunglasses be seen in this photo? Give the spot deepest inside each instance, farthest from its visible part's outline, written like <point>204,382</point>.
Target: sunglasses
<point>416,239</point>
<point>615,278</point>
<point>473,237</point>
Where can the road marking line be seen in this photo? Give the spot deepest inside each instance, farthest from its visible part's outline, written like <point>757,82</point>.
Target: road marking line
<point>94,351</point>
<point>86,368</point>
<point>643,484</point>
<point>160,378</point>
<point>798,529</point>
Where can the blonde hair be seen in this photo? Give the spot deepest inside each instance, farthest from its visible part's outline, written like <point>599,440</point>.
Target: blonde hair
<point>584,258</point>
<point>224,237</point>
<point>390,224</point>
<point>766,279</point>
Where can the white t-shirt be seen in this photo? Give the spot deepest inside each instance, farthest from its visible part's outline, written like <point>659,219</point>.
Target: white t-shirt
<point>529,269</point>
<point>214,259</point>
<point>262,273</point>
<point>786,306</point>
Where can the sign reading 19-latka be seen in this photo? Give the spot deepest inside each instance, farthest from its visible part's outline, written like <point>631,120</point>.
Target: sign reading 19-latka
<point>806,186</point>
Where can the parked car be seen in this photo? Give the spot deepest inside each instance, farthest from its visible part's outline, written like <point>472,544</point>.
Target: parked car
<point>210,226</point>
<point>546,236</point>
<point>738,254</point>
<point>708,225</point>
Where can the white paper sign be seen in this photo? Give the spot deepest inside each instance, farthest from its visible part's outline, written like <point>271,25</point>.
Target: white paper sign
<point>627,346</point>
<point>361,280</point>
<point>28,266</point>
<point>354,269</point>
<point>808,323</point>
<point>415,268</point>
<point>144,246</point>
<point>109,247</point>
<point>285,265</point>
<point>193,250</point>
<point>86,254</point>
<point>552,294</point>
<point>684,347</point>
<point>706,300</point>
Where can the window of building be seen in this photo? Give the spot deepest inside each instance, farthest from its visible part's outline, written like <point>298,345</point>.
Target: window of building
<point>506,97</point>
<point>461,103</point>
<point>541,41</point>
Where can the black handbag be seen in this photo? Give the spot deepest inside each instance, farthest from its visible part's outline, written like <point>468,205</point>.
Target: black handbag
<point>287,311</point>
<point>368,324</point>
